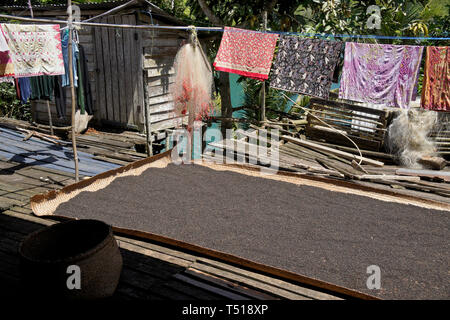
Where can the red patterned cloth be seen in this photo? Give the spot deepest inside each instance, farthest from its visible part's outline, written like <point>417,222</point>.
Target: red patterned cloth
<point>245,52</point>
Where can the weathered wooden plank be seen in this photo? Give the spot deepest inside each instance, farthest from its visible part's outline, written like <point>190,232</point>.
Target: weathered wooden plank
<point>163,82</point>
<point>161,42</point>
<point>140,79</point>
<point>134,66</point>
<point>167,124</point>
<point>160,99</point>
<point>256,280</point>
<point>160,51</point>
<point>229,285</point>
<point>105,58</point>
<point>128,61</point>
<point>205,286</point>
<point>156,72</point>
<point>157,90</point>
<point>121,71</point>
<point>161,107</point>
<point>158,62</point>
<point>332,151</point>
<point>112,34</point>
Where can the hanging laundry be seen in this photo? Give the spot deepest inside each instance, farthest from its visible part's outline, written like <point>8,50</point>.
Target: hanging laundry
<point>35,49</point>
<point>245,52</point>
<point>84,89</point>
<point>42,87</point>
<point>436,80</point>
<point>6,64</point>
<point>60,97</point>
<point>380,73</point>
<point>65,52</point>
<point>3,44</point>
<point>24,89</point>
<point>305,65</point>
<point>7,79</point>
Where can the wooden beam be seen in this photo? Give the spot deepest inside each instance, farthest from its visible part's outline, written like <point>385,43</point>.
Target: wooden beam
<point>72,90</point>
<point>332,151</point>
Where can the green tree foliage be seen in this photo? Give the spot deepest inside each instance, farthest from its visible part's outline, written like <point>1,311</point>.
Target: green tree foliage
<point>10,106</point>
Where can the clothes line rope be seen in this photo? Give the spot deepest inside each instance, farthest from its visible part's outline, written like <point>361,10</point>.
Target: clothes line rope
<point>219,29</point>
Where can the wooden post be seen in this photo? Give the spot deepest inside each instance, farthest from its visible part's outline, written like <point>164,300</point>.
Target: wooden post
<point>49,117</point>
<point>72,91</point>
<point>148,133</point>
<point>263,88</point>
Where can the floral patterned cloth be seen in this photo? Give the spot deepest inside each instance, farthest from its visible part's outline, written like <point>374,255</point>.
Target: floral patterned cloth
<point>436,81</point>
<point>380,73</point>
<point>305,65</point>
<point>34,49</point>
<point>248,53</point>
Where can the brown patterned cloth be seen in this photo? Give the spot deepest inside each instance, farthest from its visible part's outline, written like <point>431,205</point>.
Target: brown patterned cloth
<point>436,80</point>
<point>305,66</point>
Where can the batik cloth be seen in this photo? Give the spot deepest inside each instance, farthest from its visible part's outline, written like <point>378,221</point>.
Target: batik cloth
<point>436,80</point>
<point>305,66</point>
<point>380,73</point>
<point>245,52</point>
<point>35,49</point>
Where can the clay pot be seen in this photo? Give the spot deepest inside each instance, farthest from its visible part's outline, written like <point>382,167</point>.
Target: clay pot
<point>55,257</point>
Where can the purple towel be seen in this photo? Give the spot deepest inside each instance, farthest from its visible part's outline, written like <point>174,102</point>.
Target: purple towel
<point>380,73</point>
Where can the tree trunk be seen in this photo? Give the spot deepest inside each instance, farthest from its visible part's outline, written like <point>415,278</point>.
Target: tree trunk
<point>226,107</point>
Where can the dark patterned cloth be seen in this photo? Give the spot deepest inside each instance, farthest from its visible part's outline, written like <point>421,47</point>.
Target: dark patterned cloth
<point>305,65</point>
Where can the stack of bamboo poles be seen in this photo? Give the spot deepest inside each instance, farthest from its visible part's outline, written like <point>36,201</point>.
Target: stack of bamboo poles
<point>324,159</point>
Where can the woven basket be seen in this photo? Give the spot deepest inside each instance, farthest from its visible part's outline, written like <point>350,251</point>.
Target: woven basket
<point>47,254</point>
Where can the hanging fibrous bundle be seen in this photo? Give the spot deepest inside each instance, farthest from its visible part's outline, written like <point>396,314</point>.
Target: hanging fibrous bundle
<point>409,136</point>
<point>192,89</point>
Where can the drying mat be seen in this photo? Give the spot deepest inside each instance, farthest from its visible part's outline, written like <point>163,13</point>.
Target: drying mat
<point>304,229</point>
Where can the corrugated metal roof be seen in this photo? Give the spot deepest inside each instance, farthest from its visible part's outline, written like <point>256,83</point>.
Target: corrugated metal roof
<point>96,6</point>
<point>86,5</point>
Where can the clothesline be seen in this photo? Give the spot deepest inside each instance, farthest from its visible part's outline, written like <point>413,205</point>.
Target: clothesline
<point>218,29</point>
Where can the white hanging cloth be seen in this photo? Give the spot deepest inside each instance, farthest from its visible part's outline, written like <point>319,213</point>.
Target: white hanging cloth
<point>3,44</point>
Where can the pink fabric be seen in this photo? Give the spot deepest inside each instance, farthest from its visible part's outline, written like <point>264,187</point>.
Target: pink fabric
<point>380,73</point>
<point>245,52</point>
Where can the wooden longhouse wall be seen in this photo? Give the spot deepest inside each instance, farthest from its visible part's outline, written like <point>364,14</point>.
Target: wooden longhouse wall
<point>159,50</point>
<point>122,63</point>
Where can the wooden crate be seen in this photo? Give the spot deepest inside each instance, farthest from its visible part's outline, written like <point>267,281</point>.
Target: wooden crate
<point>367,127</point>
<point>441,134</point>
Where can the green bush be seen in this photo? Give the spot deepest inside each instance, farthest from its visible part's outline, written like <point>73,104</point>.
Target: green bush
<point>10,106</point>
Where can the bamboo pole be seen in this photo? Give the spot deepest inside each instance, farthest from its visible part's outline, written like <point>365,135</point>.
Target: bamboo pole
<point>108,25</point>
<point>72,90</point>
<point>50,118</point>
<point>148,134</point>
